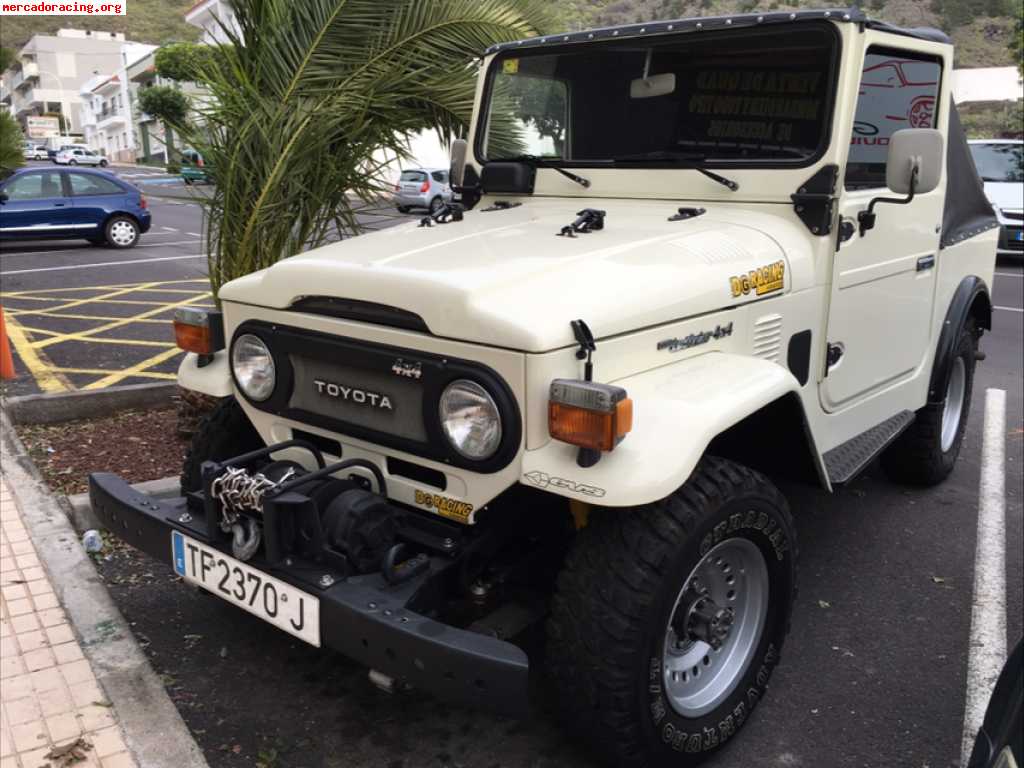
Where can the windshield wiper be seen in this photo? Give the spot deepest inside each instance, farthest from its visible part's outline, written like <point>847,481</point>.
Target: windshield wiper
<point>689,160</point>
<point>540,162</point>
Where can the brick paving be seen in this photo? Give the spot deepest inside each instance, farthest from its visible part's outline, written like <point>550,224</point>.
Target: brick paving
<point>49,694</point>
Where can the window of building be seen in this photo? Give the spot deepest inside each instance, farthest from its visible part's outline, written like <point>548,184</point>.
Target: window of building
<point>898,89</point>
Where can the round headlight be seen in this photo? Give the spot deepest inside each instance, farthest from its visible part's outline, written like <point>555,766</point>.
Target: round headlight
<point>470,419</point>
<point>253,366</point>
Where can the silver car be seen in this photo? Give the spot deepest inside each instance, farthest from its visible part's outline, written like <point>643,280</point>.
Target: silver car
<point>80,157</point>
<point>422,188</point>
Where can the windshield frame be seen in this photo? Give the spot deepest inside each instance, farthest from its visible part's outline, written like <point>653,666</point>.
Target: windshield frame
<point>828,118</point>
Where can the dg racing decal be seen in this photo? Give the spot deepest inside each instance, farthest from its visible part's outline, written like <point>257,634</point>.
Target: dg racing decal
<point>444,506</point>
<point>760,281</point>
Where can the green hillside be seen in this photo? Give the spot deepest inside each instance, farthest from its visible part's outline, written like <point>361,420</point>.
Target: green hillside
<point>147,21</point>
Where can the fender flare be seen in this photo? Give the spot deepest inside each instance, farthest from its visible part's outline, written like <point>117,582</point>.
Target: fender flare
<point>970,298</point>
<point>679,409</point>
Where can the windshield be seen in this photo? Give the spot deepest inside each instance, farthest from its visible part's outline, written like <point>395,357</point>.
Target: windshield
<point>999,162</point>
<point>740,96</point>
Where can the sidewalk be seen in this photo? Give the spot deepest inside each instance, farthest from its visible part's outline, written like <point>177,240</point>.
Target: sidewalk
<point>49,693</point>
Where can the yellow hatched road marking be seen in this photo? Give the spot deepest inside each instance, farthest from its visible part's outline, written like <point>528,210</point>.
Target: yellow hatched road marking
<point>47,313</point>
<point>134,342</point>
<point>114,378</point>
<point>38,364</point>
<point>87,335</point>
<point>93,299</point>
<point>35,292</point>
<point>102,372</point>
<point>98,300</point>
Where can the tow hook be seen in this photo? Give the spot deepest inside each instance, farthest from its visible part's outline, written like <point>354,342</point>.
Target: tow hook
<point>245,538</point>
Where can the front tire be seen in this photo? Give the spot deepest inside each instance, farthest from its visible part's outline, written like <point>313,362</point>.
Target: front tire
<point>72,162</point>
<point>927,451</point>
<point>223,433</point>
<point>103,163</point>
<point>645,596</point>
<point>122,232</point>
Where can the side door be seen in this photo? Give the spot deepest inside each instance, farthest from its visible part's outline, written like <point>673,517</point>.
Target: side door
<point>93,199</point>
<point>36,206</point>
<point>883,283</point>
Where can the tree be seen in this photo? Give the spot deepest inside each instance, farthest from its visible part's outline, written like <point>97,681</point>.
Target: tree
<point>7,57</point>
<point>11,140</point>
<point>184,62</point>
<point>1017,45</point>
<point>312,97</point>
<point>170,106</point>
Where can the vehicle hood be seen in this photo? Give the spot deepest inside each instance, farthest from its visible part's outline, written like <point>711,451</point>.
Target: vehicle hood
<point>1005,194</point>
<point>505,278</point>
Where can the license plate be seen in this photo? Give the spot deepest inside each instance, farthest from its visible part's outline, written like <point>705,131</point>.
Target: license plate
<point>277,603</point>
<point>1020,235</point>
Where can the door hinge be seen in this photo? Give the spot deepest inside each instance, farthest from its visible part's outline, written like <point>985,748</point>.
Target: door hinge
<point>814,201</point>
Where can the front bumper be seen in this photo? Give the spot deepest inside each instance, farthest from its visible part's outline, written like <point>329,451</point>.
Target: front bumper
<point>362,617</point>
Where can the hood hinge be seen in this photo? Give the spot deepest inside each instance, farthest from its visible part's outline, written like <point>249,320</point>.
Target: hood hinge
<point>815,201</point>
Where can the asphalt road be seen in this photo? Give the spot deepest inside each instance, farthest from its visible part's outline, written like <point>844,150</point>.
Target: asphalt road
<point>873,674</point>
<point>86,317</point>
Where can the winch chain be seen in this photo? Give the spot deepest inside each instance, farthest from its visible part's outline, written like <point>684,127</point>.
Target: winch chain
<point>238,491</point>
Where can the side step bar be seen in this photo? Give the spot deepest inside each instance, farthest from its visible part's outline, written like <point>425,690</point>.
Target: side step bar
<point>846,461</point>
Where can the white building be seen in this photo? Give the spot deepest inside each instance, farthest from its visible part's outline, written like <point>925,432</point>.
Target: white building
<point>206,13</point>
<point>49,72</point>
<point>987,84</point>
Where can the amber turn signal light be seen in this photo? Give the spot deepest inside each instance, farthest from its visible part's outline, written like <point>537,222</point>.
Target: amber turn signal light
<point>590,415</point>
<point>199,331</point>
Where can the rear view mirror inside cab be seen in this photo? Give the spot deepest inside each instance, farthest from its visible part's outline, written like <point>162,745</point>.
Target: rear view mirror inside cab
<point>655,85</point>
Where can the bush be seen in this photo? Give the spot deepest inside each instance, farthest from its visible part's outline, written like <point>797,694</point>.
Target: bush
<point>184,62</point>
<point>10,144</point>
<point>165,103</point>
<point>174,168</point>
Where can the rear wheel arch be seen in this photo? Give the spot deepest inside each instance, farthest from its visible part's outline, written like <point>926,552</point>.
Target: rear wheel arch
<point>971,305</point>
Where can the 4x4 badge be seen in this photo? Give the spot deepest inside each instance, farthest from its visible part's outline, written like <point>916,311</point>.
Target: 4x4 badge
<point>407,370</point>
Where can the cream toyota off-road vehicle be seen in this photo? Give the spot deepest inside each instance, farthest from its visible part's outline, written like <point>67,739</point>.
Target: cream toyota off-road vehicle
<point>692,257</point>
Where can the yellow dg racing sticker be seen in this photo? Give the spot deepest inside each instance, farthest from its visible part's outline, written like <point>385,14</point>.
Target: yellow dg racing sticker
<point>451,508</point>
<point>510,66</point>
<point>766,279</point>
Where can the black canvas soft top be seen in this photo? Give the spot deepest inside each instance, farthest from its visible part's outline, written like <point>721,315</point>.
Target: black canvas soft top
<point>707,23</point>
<point>967,211</point>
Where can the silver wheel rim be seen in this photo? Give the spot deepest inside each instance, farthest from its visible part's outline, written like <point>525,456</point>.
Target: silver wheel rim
<point>122,233</point>
<point>698,677</point>
<point>954,407</point>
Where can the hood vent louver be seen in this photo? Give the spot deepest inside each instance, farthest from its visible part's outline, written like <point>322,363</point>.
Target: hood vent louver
<point>768,337</point>
<point>361,311</point>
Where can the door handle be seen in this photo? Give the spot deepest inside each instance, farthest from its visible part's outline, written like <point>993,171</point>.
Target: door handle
<point>59,205</point>
<point>925,262</point>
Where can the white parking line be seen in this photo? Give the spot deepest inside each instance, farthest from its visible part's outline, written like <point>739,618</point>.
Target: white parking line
<point>193,234</point>
<point>169,229</point>
<point>1010,274</point>
<point>103,264</point>
<point>1009,309</point>
<point>83,250</point>
<point>987,649</point>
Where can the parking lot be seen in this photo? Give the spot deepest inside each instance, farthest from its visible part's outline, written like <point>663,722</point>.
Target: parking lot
<point>87,317</point>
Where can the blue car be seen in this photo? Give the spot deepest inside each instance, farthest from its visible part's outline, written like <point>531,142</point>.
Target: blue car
<point>43,204</point>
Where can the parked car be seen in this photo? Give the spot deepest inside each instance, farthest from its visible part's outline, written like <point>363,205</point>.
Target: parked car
<point>52,152</point>
<point>431,446</point>
<point>194,169</point>
<point>1000,741</point>
<point>1000,164</point>
<point>80,157</point>
<point>32,151</point>
<point>51,203</point>
<point>422,188</point>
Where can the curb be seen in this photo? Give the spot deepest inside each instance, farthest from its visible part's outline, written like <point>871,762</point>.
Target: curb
<point>153,728</point>
<point>54,407</point>
<point>80,510</point>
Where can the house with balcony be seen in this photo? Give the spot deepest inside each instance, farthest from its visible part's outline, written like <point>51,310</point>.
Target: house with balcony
<point>211,16</point>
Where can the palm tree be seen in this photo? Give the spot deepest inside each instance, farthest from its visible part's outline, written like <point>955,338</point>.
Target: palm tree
<point>308,96</point>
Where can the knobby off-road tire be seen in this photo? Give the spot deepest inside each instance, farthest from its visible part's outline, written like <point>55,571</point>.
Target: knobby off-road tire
<point>224,432</point>
<point>612,654</point>
<point>927,451</point>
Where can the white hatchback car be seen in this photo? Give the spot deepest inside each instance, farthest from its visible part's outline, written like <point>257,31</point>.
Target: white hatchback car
<point>1000,164</point>
<point>80,157</point>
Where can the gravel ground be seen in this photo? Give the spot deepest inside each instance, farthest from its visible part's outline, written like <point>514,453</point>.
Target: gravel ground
<point>138,445</point>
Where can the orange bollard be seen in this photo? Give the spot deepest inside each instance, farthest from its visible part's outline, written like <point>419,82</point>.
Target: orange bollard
<point>6,361</point>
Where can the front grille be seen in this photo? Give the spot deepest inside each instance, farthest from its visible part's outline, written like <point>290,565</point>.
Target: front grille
<point>1015,215</point>
<point>368,398</point>
<point>381,394</point>
<point>1009,239</point>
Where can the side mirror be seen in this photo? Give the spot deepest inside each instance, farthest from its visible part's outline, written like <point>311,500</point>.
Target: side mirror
<point>458,166</point>
<point>913,166</point>
<point>920,148</point>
